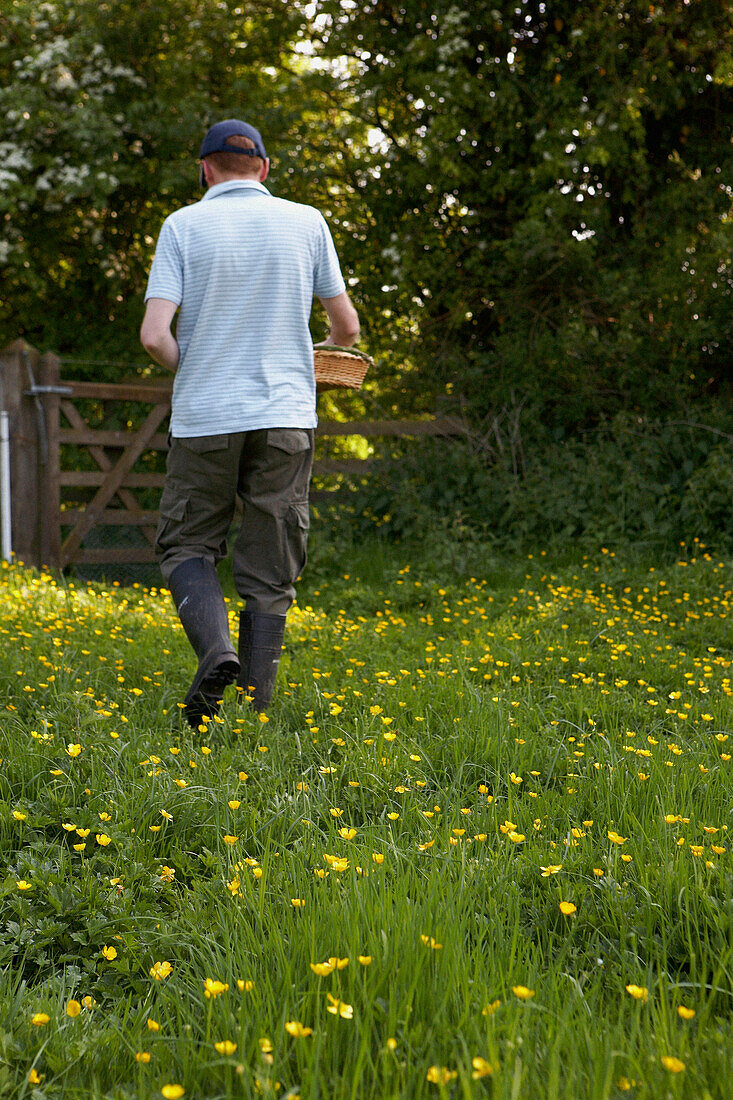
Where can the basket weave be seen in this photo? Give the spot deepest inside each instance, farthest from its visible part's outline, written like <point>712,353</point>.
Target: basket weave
<point>340,368</point>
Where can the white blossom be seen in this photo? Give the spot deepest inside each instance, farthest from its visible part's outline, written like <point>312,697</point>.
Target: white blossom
<point>13,157</point>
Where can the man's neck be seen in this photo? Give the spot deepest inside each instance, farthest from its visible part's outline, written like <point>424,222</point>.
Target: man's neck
<point>233,179</point>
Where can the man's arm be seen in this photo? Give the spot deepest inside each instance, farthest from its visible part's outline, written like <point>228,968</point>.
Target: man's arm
<point>155,332</point>
<point>344,321</point>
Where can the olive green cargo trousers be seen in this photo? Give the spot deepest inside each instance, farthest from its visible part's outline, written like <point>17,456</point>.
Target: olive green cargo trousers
<point>269,470</point>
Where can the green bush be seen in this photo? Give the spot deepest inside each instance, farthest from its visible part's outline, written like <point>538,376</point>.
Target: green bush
<point>632,479</point>
<point>707,504</point>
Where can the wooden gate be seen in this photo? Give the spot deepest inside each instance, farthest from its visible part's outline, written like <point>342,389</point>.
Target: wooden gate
<point>55,509</point>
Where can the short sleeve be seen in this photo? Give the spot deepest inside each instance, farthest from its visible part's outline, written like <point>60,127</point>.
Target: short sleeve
<point>166,274</point>
<point>328,280</point>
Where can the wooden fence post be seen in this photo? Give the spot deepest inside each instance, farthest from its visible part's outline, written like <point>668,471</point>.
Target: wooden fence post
<point>18,366</point>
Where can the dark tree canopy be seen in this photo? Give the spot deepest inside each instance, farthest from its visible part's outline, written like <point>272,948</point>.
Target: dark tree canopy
<point>532,200</point>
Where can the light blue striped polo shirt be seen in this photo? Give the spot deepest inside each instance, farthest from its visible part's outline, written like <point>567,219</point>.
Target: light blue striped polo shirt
<point>244,267</point>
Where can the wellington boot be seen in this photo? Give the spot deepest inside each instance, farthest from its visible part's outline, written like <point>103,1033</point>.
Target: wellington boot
<point>260,645</point>
<point>199,601</point>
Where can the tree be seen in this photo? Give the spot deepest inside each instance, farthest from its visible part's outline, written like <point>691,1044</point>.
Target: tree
<point>106,106</point>
<point>552,214</point>
<point>531,199</point>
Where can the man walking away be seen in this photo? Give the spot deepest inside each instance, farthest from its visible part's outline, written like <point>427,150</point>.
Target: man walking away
<point>242,268</point>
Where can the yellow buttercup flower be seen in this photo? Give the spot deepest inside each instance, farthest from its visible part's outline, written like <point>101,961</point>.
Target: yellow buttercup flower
<point>336,863</point>
<point>73,1008</point>
<point>522,992</point>
<point>213,988</point>
<point>40,1019</point>
<point>672,1064</point>
<point>615,837</point>
<point>226,1046</point>
<point>322,969</point>
<point>685,1013</point>
<point>441,1075</point>
<point>339,1008</point>
<point>297,1030</point>
<point>429,941</point>
<point>110,953</point>
<point>481,1068</point>
<point>638,992</point>
<point>161,970</point>
<point>172,1092</point>
<point>568,908</point>
<point>143,1057</point>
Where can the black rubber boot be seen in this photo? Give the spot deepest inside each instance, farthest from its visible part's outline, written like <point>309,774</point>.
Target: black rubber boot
<point>199,601</point>
<point>260,645</point>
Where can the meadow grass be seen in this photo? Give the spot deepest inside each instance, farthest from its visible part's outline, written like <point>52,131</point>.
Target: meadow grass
<point>480,847</point>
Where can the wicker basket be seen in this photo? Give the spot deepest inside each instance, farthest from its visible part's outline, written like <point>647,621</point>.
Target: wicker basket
<point>340,368</point>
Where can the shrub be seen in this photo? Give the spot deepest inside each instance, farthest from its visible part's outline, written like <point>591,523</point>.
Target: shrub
<point>632,479</point>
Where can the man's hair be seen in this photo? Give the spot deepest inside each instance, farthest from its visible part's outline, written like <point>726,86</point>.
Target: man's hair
<point>234,164</point>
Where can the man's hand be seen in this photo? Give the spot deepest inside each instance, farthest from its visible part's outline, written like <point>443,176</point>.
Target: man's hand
<point>155,333</point>
<point>344,321</point>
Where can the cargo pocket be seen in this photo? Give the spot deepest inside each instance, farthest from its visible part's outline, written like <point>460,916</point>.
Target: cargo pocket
<point>297,524</point>
<point>173,506</point>
<point>290,440</point>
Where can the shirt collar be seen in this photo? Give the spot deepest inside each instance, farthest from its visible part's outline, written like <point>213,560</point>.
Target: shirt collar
<point>234,185</point>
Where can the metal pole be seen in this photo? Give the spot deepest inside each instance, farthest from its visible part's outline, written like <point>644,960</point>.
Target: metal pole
<point>5,509</point>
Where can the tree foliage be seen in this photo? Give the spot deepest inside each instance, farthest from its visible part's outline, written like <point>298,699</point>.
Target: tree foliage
<point>532,199</point>
<point>106,105</point>
<point>554,203</point>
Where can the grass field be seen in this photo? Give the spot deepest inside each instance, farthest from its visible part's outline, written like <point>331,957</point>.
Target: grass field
<point>481,847</point>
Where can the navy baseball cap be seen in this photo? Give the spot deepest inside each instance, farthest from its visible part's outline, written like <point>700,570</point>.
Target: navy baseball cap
<point>217,137</point>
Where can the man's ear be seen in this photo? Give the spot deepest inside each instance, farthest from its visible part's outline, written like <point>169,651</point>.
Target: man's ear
<point>264,171</point>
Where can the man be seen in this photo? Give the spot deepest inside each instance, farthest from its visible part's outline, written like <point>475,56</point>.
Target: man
<point>242,268</point>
